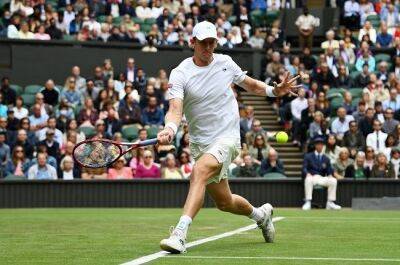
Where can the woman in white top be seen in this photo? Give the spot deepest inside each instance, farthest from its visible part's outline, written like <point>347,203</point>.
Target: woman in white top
<point>19,110</point>
<point>331,150</point>
<point>67,171</point>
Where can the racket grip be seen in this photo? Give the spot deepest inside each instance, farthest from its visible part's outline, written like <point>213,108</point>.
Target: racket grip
<point>148,142</point>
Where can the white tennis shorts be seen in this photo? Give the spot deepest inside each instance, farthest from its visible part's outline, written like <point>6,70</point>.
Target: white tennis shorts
<point>225,150</point>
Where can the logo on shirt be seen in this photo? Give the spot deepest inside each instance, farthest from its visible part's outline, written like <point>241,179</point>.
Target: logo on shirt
<point>224,69</point>
<point>169,86</point>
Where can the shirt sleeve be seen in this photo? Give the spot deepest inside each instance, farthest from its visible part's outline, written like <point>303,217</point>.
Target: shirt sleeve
<point>239,75</point>
<point>176,85</point>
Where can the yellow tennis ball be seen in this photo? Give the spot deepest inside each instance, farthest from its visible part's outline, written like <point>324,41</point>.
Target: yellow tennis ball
<point>281,137</point>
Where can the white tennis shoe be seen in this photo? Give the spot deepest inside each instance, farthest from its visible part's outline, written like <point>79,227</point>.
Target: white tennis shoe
<point>175,243</point>
<point>266,225</point>
<point>332,206</point>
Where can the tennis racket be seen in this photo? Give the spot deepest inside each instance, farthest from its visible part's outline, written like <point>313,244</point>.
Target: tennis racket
<point>98,153</point>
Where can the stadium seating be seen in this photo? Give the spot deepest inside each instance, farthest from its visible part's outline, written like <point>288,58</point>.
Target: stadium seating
<point>130,132</point>
<point>33,89</point>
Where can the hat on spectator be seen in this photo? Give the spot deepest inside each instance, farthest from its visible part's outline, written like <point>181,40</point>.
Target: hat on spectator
<point>204,30</point>
<point>318,139</point>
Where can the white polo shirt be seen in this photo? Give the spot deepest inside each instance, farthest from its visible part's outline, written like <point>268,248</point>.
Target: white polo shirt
<point>208,100</point>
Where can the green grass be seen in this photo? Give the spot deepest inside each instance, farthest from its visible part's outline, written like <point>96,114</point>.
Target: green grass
<point>113,236</point>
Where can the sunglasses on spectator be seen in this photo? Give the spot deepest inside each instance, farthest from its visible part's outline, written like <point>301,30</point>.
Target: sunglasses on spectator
<point>148,157</point>
<point>19,150</point>
<point>370,151</point>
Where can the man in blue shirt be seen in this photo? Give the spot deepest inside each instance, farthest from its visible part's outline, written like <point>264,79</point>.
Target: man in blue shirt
<point>42,170</point>
<point>153,114</point>
<point>317,170</point>
<point>384,39</point>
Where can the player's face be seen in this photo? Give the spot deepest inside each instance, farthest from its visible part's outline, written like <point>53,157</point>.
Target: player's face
<point>205,48</point>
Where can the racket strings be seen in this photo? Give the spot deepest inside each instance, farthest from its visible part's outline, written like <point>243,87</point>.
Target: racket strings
<point>97,153</point>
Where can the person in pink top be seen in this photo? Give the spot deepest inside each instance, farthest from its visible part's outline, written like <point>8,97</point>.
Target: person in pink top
<point>119,171</point>
<point>137,158</point>
<point>41,35</point>
<point>148,169</point>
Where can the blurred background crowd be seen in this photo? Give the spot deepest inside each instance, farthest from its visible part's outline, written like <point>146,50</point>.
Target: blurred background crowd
<point>350,94</point>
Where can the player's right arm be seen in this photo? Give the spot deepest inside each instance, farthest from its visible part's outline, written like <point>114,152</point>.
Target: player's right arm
<point>173,119</point>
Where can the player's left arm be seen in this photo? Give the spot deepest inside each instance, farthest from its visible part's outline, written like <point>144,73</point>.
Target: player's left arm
<point>286,86</point>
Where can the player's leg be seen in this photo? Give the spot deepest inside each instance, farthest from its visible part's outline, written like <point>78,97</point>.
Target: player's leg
<point>228,202</point>
<point>236,204</point>
<point>205,168</point>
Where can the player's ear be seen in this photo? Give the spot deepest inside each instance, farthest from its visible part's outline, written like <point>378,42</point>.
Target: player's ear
<point>191,42</point>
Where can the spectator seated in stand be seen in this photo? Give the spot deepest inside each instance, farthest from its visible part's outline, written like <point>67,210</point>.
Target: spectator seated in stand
<point>317,170</point>
<point>382,168</point>
<point>119,170</point>
<point>67,169</point>
<point>342,163</point>
<point>42,170</point>
<point>148,169</point>
<point>152,114</point>
<point>170,170</point>
<point>358,170</point>
<point>18,164</point>
<point>259,149</point>
<point>271,164</point>
<point>248,169</point>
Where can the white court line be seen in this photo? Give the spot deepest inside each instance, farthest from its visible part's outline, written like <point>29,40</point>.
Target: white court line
<point>287,258</point>
<point>160,254</point>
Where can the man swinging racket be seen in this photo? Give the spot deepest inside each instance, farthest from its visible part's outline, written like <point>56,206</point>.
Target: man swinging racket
<point>200,87</point>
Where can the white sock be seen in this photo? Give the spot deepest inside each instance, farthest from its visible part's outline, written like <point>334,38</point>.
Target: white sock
<point>183,224</point>
<point>256,215</point>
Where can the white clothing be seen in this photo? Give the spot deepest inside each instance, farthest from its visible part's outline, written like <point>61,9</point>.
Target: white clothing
<point>209,104</point>
<point>351,8</point>
<point>377,141</point>
<point>58,136</point>
<point>225,150</point>
<point>329,182</point>
<point>307,22</point>
<point>68,175</point>
<point>339,127</point>
<point>26,36</point>
<point>396,165</point>
<point>143,13</point>
<point>68,17</point>
<point>20,113</point>
<point>12,32</point>
<point>371,32</point>
<point>297,106</point>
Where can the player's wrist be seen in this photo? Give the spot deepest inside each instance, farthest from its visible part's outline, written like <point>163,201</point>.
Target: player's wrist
<point>270,91</point>
<point>172,127</point>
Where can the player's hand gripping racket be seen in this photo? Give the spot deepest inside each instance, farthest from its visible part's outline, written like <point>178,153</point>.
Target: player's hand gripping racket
<point>98,153</point>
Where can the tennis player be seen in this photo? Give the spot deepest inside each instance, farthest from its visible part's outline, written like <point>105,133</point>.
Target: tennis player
<point>200,88</point>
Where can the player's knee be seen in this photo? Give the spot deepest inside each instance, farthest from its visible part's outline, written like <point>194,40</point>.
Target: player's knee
<point>201,173</point>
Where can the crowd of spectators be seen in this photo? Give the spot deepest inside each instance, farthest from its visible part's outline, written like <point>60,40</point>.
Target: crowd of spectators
<point>350,94</point>
<point>157,22</point>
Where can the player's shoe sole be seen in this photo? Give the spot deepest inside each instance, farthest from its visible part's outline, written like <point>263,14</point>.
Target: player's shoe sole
<point>267,226</point>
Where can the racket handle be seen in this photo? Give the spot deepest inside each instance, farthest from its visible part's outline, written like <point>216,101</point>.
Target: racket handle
<point>148,142</point>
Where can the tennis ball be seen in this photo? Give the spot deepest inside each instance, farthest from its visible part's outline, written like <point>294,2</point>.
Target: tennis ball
<point>281,137</point>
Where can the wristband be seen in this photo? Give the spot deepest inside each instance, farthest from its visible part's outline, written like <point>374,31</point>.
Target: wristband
<point>269,90</point>
<point>172,126</point>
